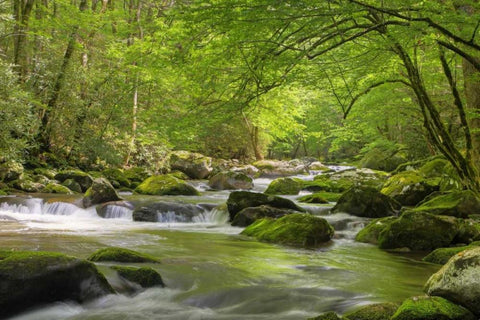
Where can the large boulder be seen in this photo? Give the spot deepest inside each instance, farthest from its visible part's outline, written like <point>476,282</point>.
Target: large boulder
<point>459,204</point>
<point>459,280</point>
<point>442,255</point>
<point>116,254</point>
<point>431,308</point>
<point>285,186</point>
<point>29,279</point>
<point>341,181</point>
<point>383,160</point>
<point>320,197</point>
<point>166,185</point>
<point>277,168</point>
<point>167,212</point>
<point>366,202</point>
<point>377,311</point>
<point>101,191</point>
<point>25,183</point>
<point>249,215</point>
<point>117,177</point>
<point>195,165</point>
<point>409,187</point>
<point>419,231</point>
<point>83,179</point>
<point>299,230</point>
<point>326,316</point>
<point>230,180</point>
<point>56,188</point>
<point>239,200</point>
<point>72,185</point>
<point>372,231</point>
<point>10,170</point>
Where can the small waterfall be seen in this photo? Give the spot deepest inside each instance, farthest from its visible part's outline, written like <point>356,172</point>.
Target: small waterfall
<point>171,217</point>
<point>22,205</point>
<point>212,216</point>
<point>118,212</point>
<point>59,208</point>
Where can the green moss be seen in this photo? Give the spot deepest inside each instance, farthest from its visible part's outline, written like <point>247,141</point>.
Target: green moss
<point>120,255</point>
<point>49,173</point>
<point>285,186</point>
<point>459,204</point>
<point>56,188</point>
<point>379,311</point>
<point>166,185</point>
<point>396,183</point>
<point>371,232</point>
<point>300,230</point>
<point>115,174</point>
<point>434,168</point>
<point>136,174</point>
<point>179,175</point>
<point>145,276</point>
<point>442,255</point>
<point>325,183</point>
<point>431,308</point>
<point>317,197</point>
<point>327,316</point>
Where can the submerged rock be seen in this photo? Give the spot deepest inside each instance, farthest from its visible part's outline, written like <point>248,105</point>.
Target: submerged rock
<point>459,280</point>
<point>431,308</point>
<point>120,255</point>
<point>285,186</point>
<point>239,200</point>
<point>167,212</point>
<point>378,311</point>
<point>145,277</point>
<point>366,202</point>
<point>299,230</point>
<point>101,191</point>
<point>28,279</point>
<point>248,216</point>
<point>230,180</point>
<point>419,231</point>
<point>195,165</point>
<point>459,204</point>
<point>166,185</point>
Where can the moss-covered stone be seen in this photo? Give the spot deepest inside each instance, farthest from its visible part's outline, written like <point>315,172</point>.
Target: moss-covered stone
<point>459,204</point>
<point>285,186</point>
<point>56,188</point>
<point>431,308</point>
<point>145,277</point>
<point>72,185</point>
<point>248,216</point>
<point>136,174</point>
<point>409,187</point>
<point>419,231</point>
<point>166,185</point>
<point>433,168</point>
<point>299,230</point>
<point>28,279</point>
<point>117,175</point>
<point>371,232</point>
<point>101,191</point>
<point>195,165</point>
<point>366,202</point>
<point>10,170</point>
<point>179,175</point>
<point>378,311</point>
<point>161,212</point>
<point>82,178</point>
<point>120,255</point>
<point>314,198</point>
<point>276,168</point>
<point>25,183</point>
<point>230,180</point>
<point>442,255</point>
<point>459,280</point>
<point>383,160</point>
<point>325,183</point>
<point>239,200</point>
<point>327,316</point>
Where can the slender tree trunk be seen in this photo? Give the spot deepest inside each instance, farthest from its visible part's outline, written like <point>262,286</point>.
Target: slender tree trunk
<point>21,13</point>
<point>255,144</point>
<point>472,93</point>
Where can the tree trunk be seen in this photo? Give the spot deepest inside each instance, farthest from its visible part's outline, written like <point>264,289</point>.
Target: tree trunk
<point>472,93</point>
<point>21,13</point>
<point>255,144</point>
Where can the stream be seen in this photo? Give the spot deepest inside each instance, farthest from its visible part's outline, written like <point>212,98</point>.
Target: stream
<point>210,270</point>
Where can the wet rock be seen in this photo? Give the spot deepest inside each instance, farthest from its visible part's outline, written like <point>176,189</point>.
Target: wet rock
<point>431,308</point>
<point>320,197</point>
<point>458,204</point>
<point>116,254</point>
<point>166,185</point>
<point>378,311</point>
<point>102,209</point>
<point>371,232</point>
<point>195,165</point>
<point>167,212</point>
<point>72,185</point>
<point>248,216</point>
<point>56,188</point>
<point>145,277</point>
<point>366,202</point>
<point>239,200</point>
<point>459,280</point>
<point>442,255</point>
<point>327,316</point>
<point>299,230</point>
<point>276,168</point>
<point>83,179</point>
<point>29,279</point>
<point>230,180</point>
<point>101,191</point>
<point>285,186</point>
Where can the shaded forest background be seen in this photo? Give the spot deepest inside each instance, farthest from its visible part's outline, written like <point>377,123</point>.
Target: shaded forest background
<point>110,82</point>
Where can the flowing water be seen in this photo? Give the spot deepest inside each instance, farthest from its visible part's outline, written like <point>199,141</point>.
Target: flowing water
<point>211,272</point>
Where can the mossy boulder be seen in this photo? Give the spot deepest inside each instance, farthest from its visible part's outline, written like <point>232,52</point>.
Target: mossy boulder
<point>299,230</point>
<point>327,316</point>
<point>166,185</point>
<point>239,200</point>
<point>26,184</point>
<point>371,232</point>
<point>459,280</point>
<point>116,254</point>
<point>419,231</point>
<point>145,277</point>
<point>409,187</point>
<point>230,180</point>
<point>434,168</point>
<point>82,178</point>
<point>431,308</point>
<point>101,191</point>
<point>56,188</point>
<point>248,216</point>
<point>136,175</point>
<point>117,177</point>
<point>384,160</point>
<point>49,173</point>
<point>195,165</point>
<point>167,212</point>
<point>276,168</point>
<point>10,170</point>
<point>366,202</point>
<point>378,311</point>
<point>29,279</point>
<point>459,204</point>
<point>318,197</point>
<point>285,186</point>
<point>72,185</point>
<point>328,184</point>
<point>442,255</point>
<point>179,175</point>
